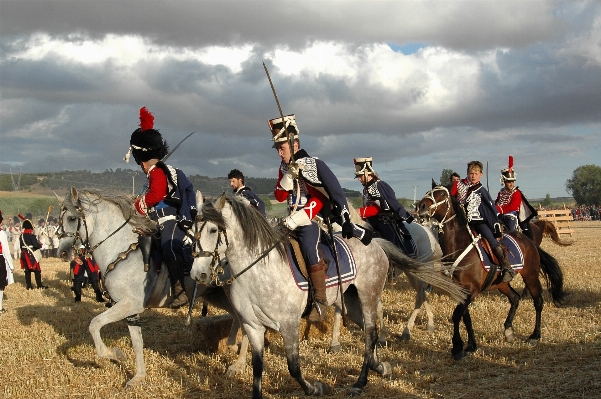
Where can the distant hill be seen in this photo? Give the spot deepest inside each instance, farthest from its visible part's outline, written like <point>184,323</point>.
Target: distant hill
<point>126,181</point>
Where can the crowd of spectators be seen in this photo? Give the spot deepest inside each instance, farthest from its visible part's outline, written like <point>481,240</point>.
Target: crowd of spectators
<point>586,213</point>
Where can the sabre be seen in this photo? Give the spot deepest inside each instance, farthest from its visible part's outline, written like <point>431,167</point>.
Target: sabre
<point>289,136</point>
<point>335,251</point>
<point>189,318</point>
<point>164,159</point>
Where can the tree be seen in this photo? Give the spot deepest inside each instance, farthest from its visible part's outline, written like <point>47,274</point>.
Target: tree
<point>585,185</point>
<point>445,177</point>
<point>547,201</point>
<point>267,201</point>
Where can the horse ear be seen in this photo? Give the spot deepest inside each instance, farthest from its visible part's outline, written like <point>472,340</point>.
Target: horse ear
<point>74,195</point>
<point>433,184</point>
<point>220,202</point>
<point>59,199</point>
<point>199,199</point>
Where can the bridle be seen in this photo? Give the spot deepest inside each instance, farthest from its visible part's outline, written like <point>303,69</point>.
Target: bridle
<point>435,204</point>
<point>198,252</point>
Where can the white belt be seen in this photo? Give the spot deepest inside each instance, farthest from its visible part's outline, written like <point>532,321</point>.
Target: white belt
<point>165,218</point>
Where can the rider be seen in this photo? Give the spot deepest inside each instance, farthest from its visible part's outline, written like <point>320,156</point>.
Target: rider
<point>513,207</point>
<point>308,184</point>
<point>481,213</point>
<point>82,264</point>
<point>237,182</point>
<point>169,198</point>
<point>381,208</point>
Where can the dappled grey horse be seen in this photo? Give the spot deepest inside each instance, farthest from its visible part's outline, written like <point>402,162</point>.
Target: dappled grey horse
<point>264,293</point>
<point>105,223</point>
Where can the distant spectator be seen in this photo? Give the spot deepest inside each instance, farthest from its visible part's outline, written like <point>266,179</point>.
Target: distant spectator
<point>237,182</point>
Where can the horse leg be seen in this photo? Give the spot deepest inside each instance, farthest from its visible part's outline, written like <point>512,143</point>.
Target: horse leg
<point>382,330</point>
<point>240,363</point>
<point>290,335</point>
<point>370,357</point>
<point>471,337</point>
<point>137,344</point>
<point>420,296</point>
<point>256,336</point>
<point>335,342</point>
<point>457,349</point>
<point>514,300</point>
<point>535,289</point>
<point>118,312</point>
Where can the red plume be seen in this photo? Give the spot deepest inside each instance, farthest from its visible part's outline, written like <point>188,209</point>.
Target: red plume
<point>510,163</point>
<point>146,119</point>
<point>22,217</point>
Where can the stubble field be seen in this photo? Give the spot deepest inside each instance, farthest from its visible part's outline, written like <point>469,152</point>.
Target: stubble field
<point>47,352</point>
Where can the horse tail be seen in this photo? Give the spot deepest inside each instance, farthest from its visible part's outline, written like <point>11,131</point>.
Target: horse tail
<point>422,271</point>
<point>550,231</point>
<point>553,276</point>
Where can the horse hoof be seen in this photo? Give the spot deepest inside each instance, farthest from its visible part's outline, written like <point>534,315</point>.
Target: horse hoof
<point>382,342</point>
<point>321,389</point>
<point>135,381</point>
<point>532,341</point>
<point>386,369</point>
<point>469,349</point>
<point>430,328</point>
<point>233,348</point>
<point>235,369</point>
<point>355,391</point>
<point>460,355</point>
<point>119,356</point>
<point>335,348</point>
<point>406,336</point>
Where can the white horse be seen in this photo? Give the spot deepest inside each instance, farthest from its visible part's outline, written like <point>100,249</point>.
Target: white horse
<point>106,224</point>
<point>264,294</point>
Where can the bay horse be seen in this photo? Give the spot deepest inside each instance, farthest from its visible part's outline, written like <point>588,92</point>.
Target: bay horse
<point>543,228</point>
<point>264,293</point>
<point>105,223</point>
<point>456,240</point>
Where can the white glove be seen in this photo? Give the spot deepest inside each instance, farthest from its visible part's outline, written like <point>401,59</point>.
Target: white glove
<point>287,182</point>
<point>297,219</point>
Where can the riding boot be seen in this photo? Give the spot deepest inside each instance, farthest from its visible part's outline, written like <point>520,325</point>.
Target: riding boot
<point>38,280</point>
<point>28,280</point>
<point>145,244</point>
<point>176,276</point>
<point>317,274</point>
<point>97,291</point>
<point>77,290</point>
<point>508,272</point>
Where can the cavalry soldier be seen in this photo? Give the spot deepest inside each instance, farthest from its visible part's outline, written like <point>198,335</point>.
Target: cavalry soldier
<point>513,207</point>
<point>481,213</point>
<point>381,208</point>
<point>6,263</point>
<point>29,243</point>
<point>169,199</point>
<point>237,182</point>
<point>308,184</point>
<point>82,265</point>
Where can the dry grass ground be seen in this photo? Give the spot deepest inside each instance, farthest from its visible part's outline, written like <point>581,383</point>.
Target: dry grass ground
<point>47,352</point>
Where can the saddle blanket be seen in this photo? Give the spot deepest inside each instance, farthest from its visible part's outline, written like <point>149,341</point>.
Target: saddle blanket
<point>348,269</point>
<point>514,254</point>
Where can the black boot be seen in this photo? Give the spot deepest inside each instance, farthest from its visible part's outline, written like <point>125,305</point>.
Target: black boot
<point>176,275</point>
<point>28,280</point>
<point>317,274</point>
<point>508,272</point>
<point>77,290</point>
<point>38,280</point>
<point>97,291</point>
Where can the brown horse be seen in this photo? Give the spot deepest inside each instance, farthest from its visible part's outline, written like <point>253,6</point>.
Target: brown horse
<point>455,237</point>
<point>544,228</point>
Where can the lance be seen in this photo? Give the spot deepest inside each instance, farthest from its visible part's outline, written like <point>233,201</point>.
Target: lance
<point>165,158</point>
<point>289,136</point>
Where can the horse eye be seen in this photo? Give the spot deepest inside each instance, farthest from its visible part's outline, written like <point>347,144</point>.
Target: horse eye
<point>213,230</point>
<point>71,218</point>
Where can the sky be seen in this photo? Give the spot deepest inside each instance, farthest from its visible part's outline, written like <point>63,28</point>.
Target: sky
<point>420,86</point>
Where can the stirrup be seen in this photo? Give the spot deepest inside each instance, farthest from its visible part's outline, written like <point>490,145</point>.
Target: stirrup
<point>317,313</point>
<point>508,275</point>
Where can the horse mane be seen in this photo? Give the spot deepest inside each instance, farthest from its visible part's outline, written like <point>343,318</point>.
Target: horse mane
<point>257,233</point>
<point>91,198</point>
<point>459,212</point>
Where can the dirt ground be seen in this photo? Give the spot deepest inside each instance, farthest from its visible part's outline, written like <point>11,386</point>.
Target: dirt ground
<point>46,350</point>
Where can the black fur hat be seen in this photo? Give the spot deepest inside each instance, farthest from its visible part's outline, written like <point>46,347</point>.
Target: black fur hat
<point>146,143</point>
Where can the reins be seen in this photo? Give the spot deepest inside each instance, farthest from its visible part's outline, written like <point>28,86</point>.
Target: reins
<point>430,195</point>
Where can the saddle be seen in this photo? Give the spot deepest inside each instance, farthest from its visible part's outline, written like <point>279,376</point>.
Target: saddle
<point>488,249</point>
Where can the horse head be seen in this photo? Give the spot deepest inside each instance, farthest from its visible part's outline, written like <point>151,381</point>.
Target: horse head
<point>436,204</point>
<point>209,240</point>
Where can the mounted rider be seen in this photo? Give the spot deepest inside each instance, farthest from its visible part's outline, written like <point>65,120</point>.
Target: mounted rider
<point>237,182</point>
<point>310,188</point>
<point>513,207</point>
<point>169,199</point>
<point>381,208</point>
<point>481,213</point>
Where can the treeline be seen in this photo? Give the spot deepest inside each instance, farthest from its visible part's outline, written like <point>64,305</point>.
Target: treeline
<point>127,181</point>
